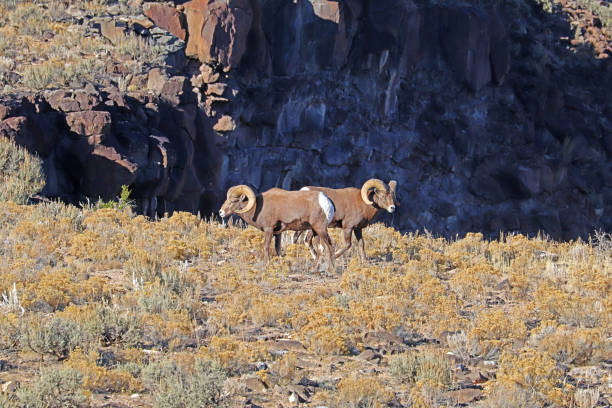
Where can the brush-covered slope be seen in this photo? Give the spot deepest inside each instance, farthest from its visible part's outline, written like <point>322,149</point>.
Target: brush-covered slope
<point>105,308</point>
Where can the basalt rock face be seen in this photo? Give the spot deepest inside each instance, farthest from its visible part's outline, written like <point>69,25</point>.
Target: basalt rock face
<point>485,122</point>
<point>480,129</point>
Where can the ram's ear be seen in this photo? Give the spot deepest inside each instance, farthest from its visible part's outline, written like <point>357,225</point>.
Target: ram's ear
<point>393,185</point>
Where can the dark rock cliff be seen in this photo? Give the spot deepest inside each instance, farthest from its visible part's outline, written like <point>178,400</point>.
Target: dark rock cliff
<point>487,120</point>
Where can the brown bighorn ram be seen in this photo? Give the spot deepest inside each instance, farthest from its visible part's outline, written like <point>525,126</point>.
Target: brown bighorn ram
<point>277,210</point>
<point>355,209</point>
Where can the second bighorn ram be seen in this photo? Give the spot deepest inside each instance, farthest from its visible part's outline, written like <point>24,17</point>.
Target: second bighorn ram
<point>355,210</point>
<point>277,210</point>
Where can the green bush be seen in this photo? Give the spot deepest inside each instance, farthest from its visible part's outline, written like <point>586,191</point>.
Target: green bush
<point>430,366</point>
<point>122,202</point>
<point>21,174</point>
<point>55,388</point>
<point>55,336</point>
<point>114,326</point>
<point>174,386</point>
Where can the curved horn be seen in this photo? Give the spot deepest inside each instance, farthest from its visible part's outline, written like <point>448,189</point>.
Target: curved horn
<point>371,183</point>
<point>239,190</point>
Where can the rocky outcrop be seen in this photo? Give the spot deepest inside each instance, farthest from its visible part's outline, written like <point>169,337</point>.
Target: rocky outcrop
<point>218,30</point>
<point>94,141</point>
<point>166,17</point>
<point>483,126</point>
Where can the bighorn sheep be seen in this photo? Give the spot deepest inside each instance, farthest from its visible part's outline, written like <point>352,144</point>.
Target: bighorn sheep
<point>277,210</point>
<point>355,209</point>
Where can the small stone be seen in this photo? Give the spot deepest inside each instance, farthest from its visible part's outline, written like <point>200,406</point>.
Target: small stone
<point>208,74</point>
<point>254,384</point>
<point>216,89</point>
<point>466,395</point>
<point>225,124</point>
<point>370,355</point>
<point>10,387</point>
<point>143,21</point>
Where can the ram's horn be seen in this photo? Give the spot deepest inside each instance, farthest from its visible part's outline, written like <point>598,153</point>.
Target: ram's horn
<point>240,190</point>
<point>371,183</point>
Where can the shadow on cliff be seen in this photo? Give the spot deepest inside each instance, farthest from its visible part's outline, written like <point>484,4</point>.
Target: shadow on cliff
<point>483,115</point>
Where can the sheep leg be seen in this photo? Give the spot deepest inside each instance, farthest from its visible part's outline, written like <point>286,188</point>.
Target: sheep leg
<point>267,238</point>
<point>347,241</point>
<point>145,207</point>
<point>277,244</point>
<point>296,236</point>
<point>308,242</point>
<point>361,245</point>
<point>327,242</point>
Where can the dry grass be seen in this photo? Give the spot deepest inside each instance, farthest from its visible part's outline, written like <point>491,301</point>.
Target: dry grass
<point>126,292</point>
<point>42,45</point>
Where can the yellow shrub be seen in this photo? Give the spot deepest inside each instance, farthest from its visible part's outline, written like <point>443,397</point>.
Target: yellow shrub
<point>362,391</point>
<point>270,310</point>
<point>535,372</point>
<point>472,282</point>
<point>233,354</point>
<point>374,314</point>
<point>571,345</point>
<point>498,329</point>
<point>101,379</point>
<point>9,330</point>
<point>328,340</point>
<point>54,288</point>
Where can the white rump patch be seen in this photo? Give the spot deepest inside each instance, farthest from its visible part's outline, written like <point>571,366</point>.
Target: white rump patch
<point>304,189</point>
<point>327,206</point>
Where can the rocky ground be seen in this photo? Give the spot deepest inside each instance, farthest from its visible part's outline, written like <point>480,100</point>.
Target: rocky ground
<point>126,312</point>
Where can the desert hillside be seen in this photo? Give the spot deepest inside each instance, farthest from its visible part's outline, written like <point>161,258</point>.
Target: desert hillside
<point>492,116</point>
<point>123,123</point>
<point>105,308</point>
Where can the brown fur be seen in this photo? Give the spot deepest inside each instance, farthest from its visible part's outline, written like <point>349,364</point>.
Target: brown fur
<point>278,210</point>
<point>352,214</point>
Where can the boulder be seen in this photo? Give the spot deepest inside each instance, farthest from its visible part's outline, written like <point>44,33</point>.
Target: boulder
<point>8,108</point>
<point>218,30</point>
<point>89,123</point>
<point>177,90</point>
<point>166,17</point>
<point>156,80</point>
<point>63,101</point>
<point>112,30</point>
